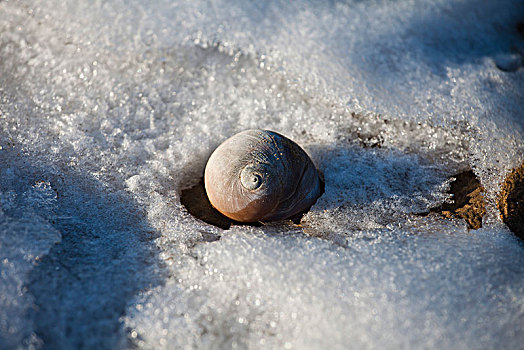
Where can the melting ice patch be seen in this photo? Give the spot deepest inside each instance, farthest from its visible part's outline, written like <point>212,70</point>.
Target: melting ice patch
<point>109,109</point>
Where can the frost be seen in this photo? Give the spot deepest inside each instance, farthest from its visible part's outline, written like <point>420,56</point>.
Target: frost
<point>108,110</point>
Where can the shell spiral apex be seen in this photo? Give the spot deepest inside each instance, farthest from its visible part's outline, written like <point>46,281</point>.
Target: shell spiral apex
<point>260,175</point>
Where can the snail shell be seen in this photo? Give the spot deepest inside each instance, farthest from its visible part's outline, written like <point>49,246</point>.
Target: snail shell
<point>260,175</point>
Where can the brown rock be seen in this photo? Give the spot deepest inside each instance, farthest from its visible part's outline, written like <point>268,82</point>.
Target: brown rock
<point>468,202</point>
<point>511,201</point>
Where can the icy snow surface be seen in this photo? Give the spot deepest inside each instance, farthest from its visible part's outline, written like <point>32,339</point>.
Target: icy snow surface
<point>109,108</point>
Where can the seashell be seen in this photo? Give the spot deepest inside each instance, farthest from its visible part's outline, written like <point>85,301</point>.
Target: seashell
<point>260,175</point>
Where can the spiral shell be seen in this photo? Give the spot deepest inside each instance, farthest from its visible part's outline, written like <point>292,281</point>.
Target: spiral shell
<point>260,175</point>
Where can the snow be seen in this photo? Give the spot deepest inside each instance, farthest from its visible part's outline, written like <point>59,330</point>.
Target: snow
<point>109,109</point>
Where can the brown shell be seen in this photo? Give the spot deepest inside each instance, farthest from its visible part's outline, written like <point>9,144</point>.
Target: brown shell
<point>260,175</point>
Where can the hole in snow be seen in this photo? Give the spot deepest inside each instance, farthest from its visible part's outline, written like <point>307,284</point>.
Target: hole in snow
<point>195,200</point>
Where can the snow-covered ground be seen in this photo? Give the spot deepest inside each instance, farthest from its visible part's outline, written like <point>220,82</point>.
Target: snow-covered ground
<point>108,109</point>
